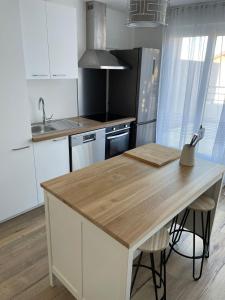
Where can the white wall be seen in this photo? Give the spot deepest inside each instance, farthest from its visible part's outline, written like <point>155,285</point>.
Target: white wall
<point>60,98</point>
<point>119,36</point>
<point>148,37</point>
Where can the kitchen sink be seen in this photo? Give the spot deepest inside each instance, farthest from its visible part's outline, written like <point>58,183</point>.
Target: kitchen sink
<point>41,129</point>
<point>55,125</point>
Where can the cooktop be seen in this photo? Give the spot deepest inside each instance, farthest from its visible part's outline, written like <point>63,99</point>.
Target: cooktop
<point>104,117</point>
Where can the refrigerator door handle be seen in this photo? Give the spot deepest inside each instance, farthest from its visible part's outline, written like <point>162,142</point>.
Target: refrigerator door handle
<point>147,122</point>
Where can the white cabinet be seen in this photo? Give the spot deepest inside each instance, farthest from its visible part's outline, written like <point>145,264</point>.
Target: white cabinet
<point>65,244</point>
<point>90,263</point>
<point>50,40</point>
<point>51,160</point>
<point>62,38</point>
<point>35,38</point>
<point>17,174</point>
<point>17,182</point>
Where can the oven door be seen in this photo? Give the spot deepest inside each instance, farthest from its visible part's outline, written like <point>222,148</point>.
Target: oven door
<point>117,143</point>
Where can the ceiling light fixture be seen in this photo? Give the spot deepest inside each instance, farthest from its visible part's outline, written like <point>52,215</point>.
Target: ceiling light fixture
<point>147,13</point>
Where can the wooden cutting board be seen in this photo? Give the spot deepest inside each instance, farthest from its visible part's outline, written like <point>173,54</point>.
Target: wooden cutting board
<point>154,154</point>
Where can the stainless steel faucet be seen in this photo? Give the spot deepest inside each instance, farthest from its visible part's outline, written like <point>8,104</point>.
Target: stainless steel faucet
<point>41,103</point>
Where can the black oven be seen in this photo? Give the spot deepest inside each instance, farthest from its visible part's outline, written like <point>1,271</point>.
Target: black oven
<point>117,140</point>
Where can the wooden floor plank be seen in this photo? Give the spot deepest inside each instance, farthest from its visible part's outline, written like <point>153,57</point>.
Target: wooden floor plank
<point>179,270</point>
<point>24,266</point>
<point>24,221</point>
<point>42,290</point>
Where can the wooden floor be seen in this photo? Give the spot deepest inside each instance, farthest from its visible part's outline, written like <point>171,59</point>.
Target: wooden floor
<point>24,266</point>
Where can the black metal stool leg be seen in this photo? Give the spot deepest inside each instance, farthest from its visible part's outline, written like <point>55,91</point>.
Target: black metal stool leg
<point>153,275</point>
<point>136,272</point>
<point>161,274</point>
<point>204,238</point>
<point>208,222</point>
<point>173,228</point>
<point>203,227</point>
<point>164,279</point>
<point>172,225</point>
<point>182,224</point>
<point>161,270</point>
<point>177,233</point>
<point>193,271</point>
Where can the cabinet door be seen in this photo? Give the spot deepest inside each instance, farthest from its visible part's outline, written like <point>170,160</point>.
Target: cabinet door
<point>65,229</point>
<point>35,38</point>
<point>17,182</point>
<point>17,173</point>
<point>51,160</point>
<point>62,38</point>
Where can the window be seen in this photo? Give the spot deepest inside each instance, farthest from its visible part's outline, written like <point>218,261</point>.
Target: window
<point>194,48</point>
<point>213,116</point>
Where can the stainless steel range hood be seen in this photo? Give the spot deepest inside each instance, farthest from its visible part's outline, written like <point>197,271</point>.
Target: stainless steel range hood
<point>96,55</point>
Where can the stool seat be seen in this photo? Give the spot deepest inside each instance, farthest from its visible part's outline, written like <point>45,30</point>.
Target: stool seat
<point>158,242</point>
<point>203,203</point>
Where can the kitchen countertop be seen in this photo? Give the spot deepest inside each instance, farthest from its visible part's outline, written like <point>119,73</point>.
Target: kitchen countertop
<point>87,125</point>
<point>116,194</point>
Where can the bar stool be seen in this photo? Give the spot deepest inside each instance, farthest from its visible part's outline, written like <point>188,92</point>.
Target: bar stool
<point>158,242</point>
<point>204,206</point>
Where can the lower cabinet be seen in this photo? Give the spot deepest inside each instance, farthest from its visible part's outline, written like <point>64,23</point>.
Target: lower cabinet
<point>51,160</point>
<point>17,181</point>
<point>64,232</point>
<point>91,264</point>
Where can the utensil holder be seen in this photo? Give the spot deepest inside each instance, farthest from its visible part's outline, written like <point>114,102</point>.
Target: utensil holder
<point>188,156</point>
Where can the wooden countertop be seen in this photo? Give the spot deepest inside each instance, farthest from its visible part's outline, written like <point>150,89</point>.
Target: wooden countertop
<point>128,198</point>
<point>87,125</point>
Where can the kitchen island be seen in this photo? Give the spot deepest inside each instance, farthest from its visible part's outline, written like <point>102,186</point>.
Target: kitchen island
<point>99,216</point>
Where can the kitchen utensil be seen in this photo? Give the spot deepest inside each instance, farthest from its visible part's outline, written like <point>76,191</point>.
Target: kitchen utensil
<point>188,156</point>
<point>201,134</point>
<point>198,136</point>
<point>194,139</point>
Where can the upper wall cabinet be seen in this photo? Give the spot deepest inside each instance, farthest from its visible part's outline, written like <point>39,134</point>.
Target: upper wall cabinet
<point>50,40</point>
<point>35,38</point>
<point>62,39</point>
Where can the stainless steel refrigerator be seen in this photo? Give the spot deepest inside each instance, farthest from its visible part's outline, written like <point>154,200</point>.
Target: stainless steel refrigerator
<point>134,92</point>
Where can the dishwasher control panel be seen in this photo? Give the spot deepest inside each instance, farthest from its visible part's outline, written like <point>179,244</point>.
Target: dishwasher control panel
<point>89,138</point>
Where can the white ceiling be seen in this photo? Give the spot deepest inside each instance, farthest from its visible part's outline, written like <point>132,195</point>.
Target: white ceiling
<point>121,4</point>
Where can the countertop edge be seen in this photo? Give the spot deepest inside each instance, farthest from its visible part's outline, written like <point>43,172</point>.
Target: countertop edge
<point>96,126</point>
<point>97,224</point>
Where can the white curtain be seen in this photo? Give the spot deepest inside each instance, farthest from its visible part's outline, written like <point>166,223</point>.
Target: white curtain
<point>192,85</point>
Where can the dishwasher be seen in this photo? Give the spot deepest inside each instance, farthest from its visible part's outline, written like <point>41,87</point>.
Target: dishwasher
<point>86,149</point>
